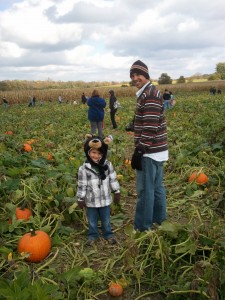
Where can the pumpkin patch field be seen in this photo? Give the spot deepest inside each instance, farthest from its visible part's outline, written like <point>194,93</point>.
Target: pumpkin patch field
<point>43,232</point>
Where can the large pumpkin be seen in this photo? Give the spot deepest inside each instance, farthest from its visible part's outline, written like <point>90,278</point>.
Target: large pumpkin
<point>37,243</point>
<point>23,213</point>
<point>199,178</point>
<point>115,289</point>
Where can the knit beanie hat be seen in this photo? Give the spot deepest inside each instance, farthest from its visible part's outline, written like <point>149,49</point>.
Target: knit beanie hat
<point>140,68</point>
<point>96,142</point>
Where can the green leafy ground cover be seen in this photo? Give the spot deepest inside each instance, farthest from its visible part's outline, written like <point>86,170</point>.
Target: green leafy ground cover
<point>183,258</point>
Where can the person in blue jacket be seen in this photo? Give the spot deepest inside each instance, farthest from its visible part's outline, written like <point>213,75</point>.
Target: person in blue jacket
<point>96,112</point>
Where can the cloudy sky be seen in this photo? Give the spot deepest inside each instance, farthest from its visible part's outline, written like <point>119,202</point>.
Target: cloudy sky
<point>98,40</point>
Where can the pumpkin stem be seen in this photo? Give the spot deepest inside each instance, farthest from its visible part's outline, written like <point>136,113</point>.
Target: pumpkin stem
<point>23,205</point>
<point>32,232</point>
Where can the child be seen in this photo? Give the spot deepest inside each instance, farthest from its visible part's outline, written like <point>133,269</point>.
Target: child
<point>96,180</point>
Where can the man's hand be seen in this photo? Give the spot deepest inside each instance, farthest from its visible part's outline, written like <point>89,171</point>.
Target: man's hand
<point>137,158</point>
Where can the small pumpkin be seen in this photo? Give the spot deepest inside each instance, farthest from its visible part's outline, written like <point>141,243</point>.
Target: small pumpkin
<point>37,243</point>
<point>120,177</point>
<point>49,156</point>
<point>27,147</point>
<point>199,178</point>
<point>23,213</point>
<point>127,161</point>
<point>9,132</point>
<point>115,289</point>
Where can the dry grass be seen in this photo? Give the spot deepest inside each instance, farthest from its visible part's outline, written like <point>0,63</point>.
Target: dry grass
<point>69,95</point>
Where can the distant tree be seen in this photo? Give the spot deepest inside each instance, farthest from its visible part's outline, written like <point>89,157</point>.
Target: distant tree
<point>181,79</point>
<point>197,75</point>
<point>164,79</point>
<point>220,68</point>
<point>214,76</point>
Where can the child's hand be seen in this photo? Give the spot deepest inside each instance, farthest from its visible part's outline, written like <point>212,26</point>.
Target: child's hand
<point>81,203</point>
<point>116,199</point>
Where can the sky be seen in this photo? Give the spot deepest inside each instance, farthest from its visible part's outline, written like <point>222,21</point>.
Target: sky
<point>98,40</point>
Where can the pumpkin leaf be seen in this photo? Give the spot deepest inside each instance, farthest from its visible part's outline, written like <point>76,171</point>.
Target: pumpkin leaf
<point>46,228</point>
<point>171,229</point>
<point>72,275</point>
<point>129,230</point>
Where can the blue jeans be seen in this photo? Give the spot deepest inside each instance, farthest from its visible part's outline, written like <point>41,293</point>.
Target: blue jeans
<point>166,104</point>
<point>94,126</point>
<point>93,214</point>
<point>151,195</point>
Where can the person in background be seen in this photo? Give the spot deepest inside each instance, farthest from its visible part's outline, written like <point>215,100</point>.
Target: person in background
<point>30,103</point>
<point>83,98</point>
<point>60,99</point>
<point>211,91</point>
<point>172,100</point>
<point>151,150</point>
<point>219,91</point>
<point>34,101</point>
<point>5,102</point>
<point>97,179</point>
<point>166,98</point>
<point>113,110</point>
<point>96,112</point>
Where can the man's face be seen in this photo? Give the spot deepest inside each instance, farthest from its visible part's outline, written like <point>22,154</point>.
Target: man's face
<point>139,80</point>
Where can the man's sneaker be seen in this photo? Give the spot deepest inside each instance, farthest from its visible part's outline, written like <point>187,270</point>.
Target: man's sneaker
<point>90,242</point>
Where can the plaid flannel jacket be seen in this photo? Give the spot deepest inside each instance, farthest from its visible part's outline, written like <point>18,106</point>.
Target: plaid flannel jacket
<point>96,192</point>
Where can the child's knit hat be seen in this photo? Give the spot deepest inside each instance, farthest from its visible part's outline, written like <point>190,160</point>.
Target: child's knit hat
<point>100,144</point>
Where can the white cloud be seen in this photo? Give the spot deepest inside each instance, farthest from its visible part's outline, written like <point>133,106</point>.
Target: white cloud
<point>99,39</point>
<point>8,49</point>
<point>188,25</point>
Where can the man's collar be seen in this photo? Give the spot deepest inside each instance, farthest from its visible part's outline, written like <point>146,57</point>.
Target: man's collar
<point>139,92</point>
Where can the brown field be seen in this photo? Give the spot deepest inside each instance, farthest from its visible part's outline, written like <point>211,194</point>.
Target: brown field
<point>69,95</point>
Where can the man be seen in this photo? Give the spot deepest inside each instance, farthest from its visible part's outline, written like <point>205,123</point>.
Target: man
<point>151,150</point>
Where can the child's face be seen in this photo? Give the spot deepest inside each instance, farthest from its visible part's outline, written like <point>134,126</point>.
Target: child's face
<point>95,155</point>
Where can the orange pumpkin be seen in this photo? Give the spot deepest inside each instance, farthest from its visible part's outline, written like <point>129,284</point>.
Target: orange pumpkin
<point>49,156</point>
<point>199,178</point>
<point>115,289</point>
<point>127,161</point>
<point>23,213</point>
<point>9,132</point>
<point>27,148</point>
<point>37,243</point>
